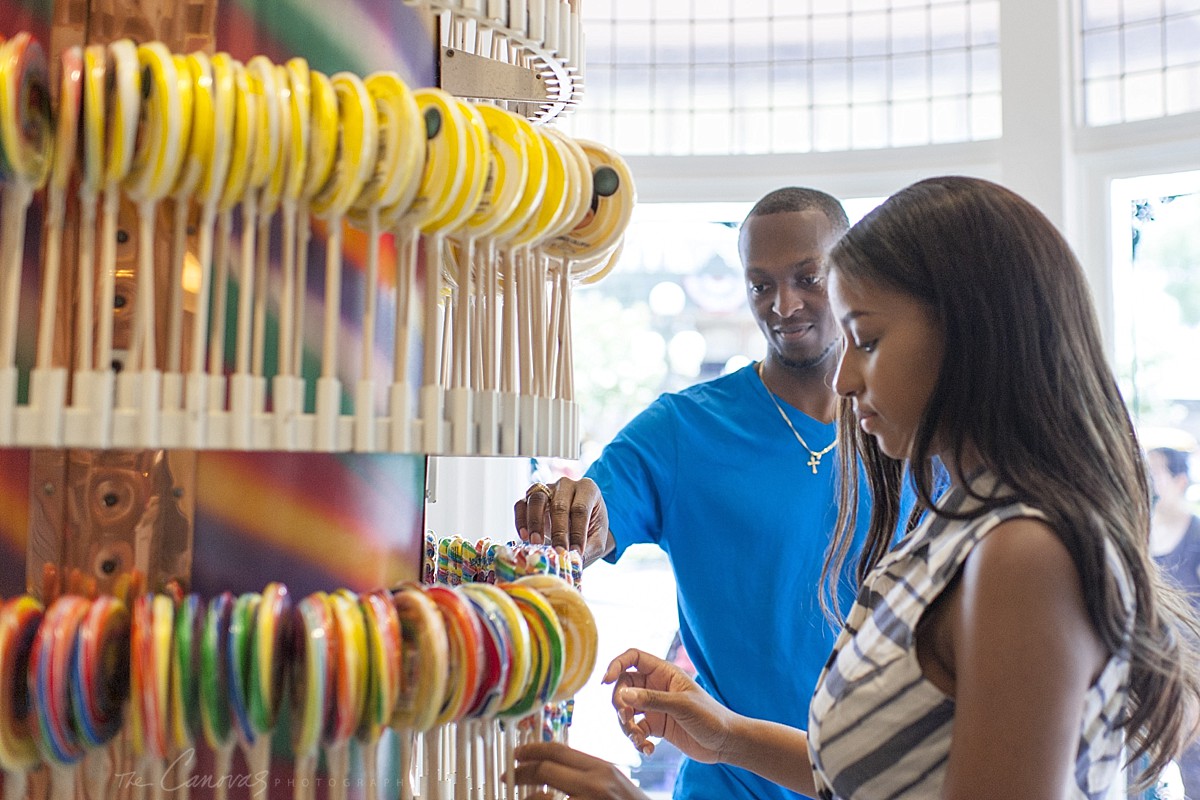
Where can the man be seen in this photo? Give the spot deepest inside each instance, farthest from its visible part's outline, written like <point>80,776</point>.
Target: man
<point>735,479</point>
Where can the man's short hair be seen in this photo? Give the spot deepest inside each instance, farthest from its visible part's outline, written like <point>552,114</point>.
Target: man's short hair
<point>797,198</point>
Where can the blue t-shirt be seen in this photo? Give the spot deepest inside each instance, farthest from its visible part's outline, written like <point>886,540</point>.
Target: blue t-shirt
<point>714,477</point>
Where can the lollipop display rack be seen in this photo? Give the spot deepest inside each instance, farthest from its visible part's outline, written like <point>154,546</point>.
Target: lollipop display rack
<point>450,677</point>
<point>245,289</point>
<point>495,217</point>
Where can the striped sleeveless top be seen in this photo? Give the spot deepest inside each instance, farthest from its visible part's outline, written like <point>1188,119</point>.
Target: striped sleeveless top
<point>878,729</point>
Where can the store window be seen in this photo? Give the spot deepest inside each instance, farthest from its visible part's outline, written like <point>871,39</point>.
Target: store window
<point>1140,59</point>
<point>766,76</point>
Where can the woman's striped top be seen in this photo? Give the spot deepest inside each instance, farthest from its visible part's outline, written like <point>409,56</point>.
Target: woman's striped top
<point>877,728</point>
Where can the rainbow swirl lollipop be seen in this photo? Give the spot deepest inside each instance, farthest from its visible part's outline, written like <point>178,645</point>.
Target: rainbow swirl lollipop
<point>49,685</point>
<point>497,641</point>
<point>265,668</point>
<point>215,716</point>
<point>241,636</point>
<point>186,671</point>
<point>350,686</point>
<point>580,636</point>
<point>466,652</point>
<point>425,662</point>
<point>547,637</point>
<point>383,674</point>
<point>310,688</point>
<point>100,672</point>
<point>20,619</point>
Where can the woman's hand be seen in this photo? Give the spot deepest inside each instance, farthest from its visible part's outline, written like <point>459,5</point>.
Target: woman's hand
<point>578,775</point>
<point>653,697</point>
<point>570,514</point>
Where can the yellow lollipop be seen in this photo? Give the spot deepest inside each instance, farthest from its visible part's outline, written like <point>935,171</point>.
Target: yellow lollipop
<point>579,183</point>
<point>358,136</point>
<point>159,144</point>
<point>215,99</point>
<point>91,182</point>
<point>199,142</point>
<point>609,209</point>
<point>287,390</point>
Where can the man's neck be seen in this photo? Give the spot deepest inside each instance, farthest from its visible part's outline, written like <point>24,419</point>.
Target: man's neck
<point>808,389</point>
<point>1167,527</point>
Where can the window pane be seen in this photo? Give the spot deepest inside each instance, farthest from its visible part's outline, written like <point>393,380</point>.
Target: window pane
<point>1143,96</point>
<point>752,86</point>
<point>710,132</point>
<point>949,73</point>
<point>1097,13</point>
<point>1102,100</point>
<point>1183,41</point>
<point>752,131</point>
<point>870,34</point>
<point>790,131</point>
<point>672,88</point>
<point>750,40</point>
<point>910,31</point>
<point>831,82</point>
<point>633,134</point>
<point>910,123</point>
<point>1183,90</point>
<point>870,81</point>
<point>1143,47</point>
<point>711,42</point>
<point>629,9</point>
<point>985,70</point>
<point>986,117</point>
<point>790,85</point>
<point>985,23</point>
<point>1101,54</point>
<point>831,37</point>
<point>711,89</point>
<point>673,42</point>
<point>950,123</point>
<point>789,39</point>
<point>910,77</point>
<point>673,133</point>
<point>632,43</point>
<point>870,126</point>
<point>948,26</point>
<point>1136,10</point>
<point>632,87</point>
<point>708,9</point>
<point>831,128</point>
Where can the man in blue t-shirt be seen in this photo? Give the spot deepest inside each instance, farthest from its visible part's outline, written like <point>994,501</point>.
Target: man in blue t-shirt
<point>734,479</point>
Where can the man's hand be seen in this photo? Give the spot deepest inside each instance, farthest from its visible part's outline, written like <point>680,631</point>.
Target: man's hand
<point>570,514</point>
<point>579,775</point>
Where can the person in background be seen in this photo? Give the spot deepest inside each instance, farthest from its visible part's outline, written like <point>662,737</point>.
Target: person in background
<point>1175,545</point>
<point>735,480</point>
<point>1019,642</point>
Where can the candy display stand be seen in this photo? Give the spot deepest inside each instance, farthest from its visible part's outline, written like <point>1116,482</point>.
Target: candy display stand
<point>202,205</point>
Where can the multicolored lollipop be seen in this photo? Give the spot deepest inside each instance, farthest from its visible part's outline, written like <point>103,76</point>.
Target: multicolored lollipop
<point>350,687</point>
<point>215,715</point>
<point>49,686</point>
<point>186,673</point>
<point>20,618</point>
<point>382,625</point>
<point>26,138</point>
<point>310,688</point>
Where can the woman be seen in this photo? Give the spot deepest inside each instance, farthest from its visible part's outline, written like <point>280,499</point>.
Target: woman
<point>1012,644</point>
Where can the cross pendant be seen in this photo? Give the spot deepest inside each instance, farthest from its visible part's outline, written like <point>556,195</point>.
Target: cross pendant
<point>814,461</point>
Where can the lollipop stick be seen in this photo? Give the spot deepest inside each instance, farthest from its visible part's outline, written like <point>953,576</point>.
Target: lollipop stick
<point>404,281</point>
<point>329,391</point>
<point>15,783</point>
<point>287,295</point>
<point>462,777</point>
<point>175,318</point>
<point>216,346</point>
<point>431,388</point>
<point>96,768</point>
<point>370,759</point>
<point>62,781</point>
<point>87,281</point>
<point>56,209</point>
<point>223,766</point>
<point>108,277</point>
<point>337,756</point>
<point>304,773</point>
<point>303,236</point>
<point>17,196</point>
<point>509,327</point>
<point>407,743</point>
<point>262,260</point>
<point>364,401</point>
<point>259,761</point>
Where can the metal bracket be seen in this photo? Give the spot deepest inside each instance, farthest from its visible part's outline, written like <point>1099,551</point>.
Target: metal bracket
<point>465,74</point>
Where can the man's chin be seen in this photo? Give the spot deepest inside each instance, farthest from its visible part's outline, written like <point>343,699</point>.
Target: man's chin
<point>805,358</point>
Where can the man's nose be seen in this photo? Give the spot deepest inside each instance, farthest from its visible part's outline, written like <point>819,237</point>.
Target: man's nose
<point>788,301</point>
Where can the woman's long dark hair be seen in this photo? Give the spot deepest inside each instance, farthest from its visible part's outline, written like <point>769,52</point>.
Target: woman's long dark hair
<point>1026,385</point>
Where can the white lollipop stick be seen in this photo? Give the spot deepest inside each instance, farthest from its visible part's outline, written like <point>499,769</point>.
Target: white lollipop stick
<point>364,402</point>
<point>399,408</point>
<point>17,196</point>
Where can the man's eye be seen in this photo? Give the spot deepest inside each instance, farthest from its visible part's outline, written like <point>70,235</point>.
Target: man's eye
<point>867,347</point>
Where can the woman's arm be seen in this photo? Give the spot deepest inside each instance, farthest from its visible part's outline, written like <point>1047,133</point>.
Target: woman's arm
<point>655,698</point>
<point>1023,653</point>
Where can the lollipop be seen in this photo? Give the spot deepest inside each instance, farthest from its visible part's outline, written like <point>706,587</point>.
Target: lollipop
<point>26,138</point>
<point>186,671</point>
<point>122,105</point>
<point>159,143</point>
<point>20,619</point>
<point>310,688</point>
<point>245,128</point>
<point>100,684</point>
<point>215,97</point>
<point>194,103</point>
<point>547,637</point>
<point>152,629</point>
<point>287,388</point>
<point>382,626</point>
<point>267,661</point>
<point>580,637</point>
<point>350,685</point>
<point>241,635</point>
<point>358,135</point>
<point>262,105</point>
<point>215,718</point>
<point>47,383</point>
<point>392,185</point>
<point>88,384</point>
<point>424,670</point>
<point>49,685</point>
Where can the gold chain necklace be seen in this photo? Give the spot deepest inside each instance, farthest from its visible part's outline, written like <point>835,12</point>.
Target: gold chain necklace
<point>814,456</point>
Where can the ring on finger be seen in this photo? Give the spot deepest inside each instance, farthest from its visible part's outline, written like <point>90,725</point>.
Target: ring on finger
<point>538,488</point>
